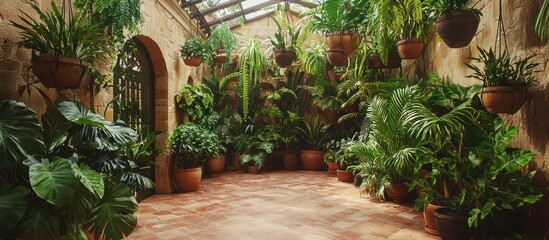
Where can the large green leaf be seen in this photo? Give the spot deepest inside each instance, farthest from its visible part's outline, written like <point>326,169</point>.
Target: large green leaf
<point>13,204</point>
<point>113,217</point>
<point>78,114</point>
<point>19,132</point>
<point>53,181</point>
<point>55,126</point>
<point>91,179</point>
<point>39,222</point>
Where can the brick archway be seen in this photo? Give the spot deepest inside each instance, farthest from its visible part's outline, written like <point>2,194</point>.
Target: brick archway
<point>162,166</point>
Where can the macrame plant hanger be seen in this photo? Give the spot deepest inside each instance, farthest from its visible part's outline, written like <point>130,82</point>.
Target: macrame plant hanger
<point>500,46</point>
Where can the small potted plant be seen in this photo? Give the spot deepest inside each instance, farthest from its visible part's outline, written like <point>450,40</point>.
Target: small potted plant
<point>412,24</point>
<point>505,80</point>
<point>192,145</point>
<point>196,101</point>
<point>457,23</point>
<point>330,156</point>
<point>289,137</point>
<point>285,42</point>
<point>260,145</point>
<point>223,41</point>
<point>62,51</point>
<point>315,133</point>
<point>345,159</point>
<point>219,124</point>
<point>195,51</point>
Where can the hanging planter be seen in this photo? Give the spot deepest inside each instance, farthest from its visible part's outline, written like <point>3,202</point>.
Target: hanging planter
<point>410,48</point>
<point>457,29</point>
<point>284,57</point>
<point>503,99</point>
<point>336,57</point>
<point>375,62</point>
<point>192,61</point>
<point>220,56</point>
<point>59,72</point>
<point>346,41</point>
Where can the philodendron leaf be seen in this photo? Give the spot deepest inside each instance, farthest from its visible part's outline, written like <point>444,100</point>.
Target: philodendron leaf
<point>113,217</point>
<point>53,181</point>
<point>13,204</point>
<point>20,133</point>
<point>473,219</point>
<point>91,179</point>
<point>39,222</point>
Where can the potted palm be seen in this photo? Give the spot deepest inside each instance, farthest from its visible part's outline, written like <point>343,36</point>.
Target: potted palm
<point>314,132</point>
<point>191,146</point>
<point>285,42</point>
<point>195,51</point>
<point>457,23</point>
<point>223,41</point>
<point>505,79</point>
<point>62,51</point>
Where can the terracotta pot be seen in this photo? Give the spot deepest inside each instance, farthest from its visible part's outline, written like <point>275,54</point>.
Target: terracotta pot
<point>397,192</point>
<point>410,48</point>
<point>332,168</point>
<point>503,99</point>
<point>187,180</point>
<point>452,225</point>
<point>428,215</point>
<point>253,169</point>
<point>220,56</point>
<point>278,158</point>
<point>312,160</point>
<point>345,176</point>
<point>336,57</point>
<point>346,41</point>
<point>285,57</point>
<point>236,160</point>
<point>215,165</point>
<point>457,29</point>
<point>290,160</point>
<point>59,72</point>
<point>375,62</point>
<point>192,61</point>
<point>338,76</point>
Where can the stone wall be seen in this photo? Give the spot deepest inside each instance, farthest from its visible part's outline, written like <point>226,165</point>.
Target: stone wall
<point>533,118</point>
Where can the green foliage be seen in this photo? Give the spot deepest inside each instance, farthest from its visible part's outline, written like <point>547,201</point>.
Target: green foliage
<point>196,47</point>
<point>541,26</point>
<point>324,94</point>
<point>53,36</point>
<point>442,7</point>
<point>504,70</point>
<point>315,133</point>
<point>13,205</point>
<point>314,59</point>
<point>53,181</point>
<point>195,100</point>
<point>223,37</point>
<point>194,144</point>
<point>257,152</point>
<point>410,18</point>
<point>286,36</point>
<point>338,16</point>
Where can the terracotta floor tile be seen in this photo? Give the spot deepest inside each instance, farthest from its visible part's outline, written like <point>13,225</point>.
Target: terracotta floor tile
<point>283,205</point>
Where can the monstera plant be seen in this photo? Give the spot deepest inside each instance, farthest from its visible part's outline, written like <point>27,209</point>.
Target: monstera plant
<point>75,171</point>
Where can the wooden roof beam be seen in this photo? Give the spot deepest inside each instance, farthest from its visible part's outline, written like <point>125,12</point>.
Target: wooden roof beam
<point>190,3</point>
<point>243,12</point>
<point>219,7</point>
<point>305,4</point>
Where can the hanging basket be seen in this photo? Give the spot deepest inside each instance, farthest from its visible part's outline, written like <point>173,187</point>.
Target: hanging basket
<point>336,57</point>
<point>220,56</point>
<point>59,72</point>
<point>284,57</point>
<point>346,41</point>
<point>503,99</point>
<point>375,62</point>
<point>457,29</point>
<point>192,61</point>
<point>410,48</point>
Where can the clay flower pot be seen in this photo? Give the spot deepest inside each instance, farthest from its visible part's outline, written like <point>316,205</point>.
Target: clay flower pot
<point>336,57</point>
<point>457,29</point>
<point>345,176</point>
<point>503,99</point>
<point>187,180</point>
<point>410,48</point>
<point>220,56</point>
<point>333,167</point>
<point>252,169</point>
<point>215,165</point>
<point>290,160</point>
<point>397,192</point>
<point>346,41</point>
<point>192,61</point>
<point>59,72</point>
<point>312,160</point>
<point>429,216</point>
<point>452,225</point>
<point>284,57</point>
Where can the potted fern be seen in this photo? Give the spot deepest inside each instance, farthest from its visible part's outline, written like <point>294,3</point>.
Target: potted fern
<point>195,51</point>
<point>223,41</point>
<point>457,23</point>
<point>285,42</point>
<point>505,79</point>
<point>62,50</point>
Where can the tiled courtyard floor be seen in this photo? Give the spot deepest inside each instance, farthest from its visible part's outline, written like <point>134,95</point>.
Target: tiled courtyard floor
<point>275,205</point>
